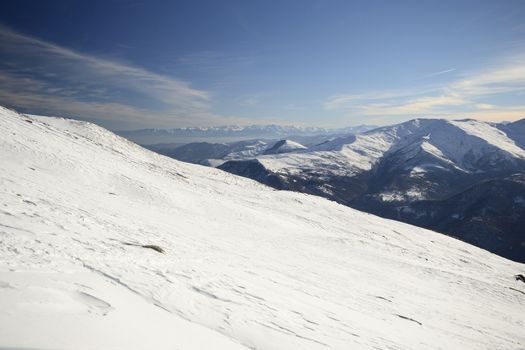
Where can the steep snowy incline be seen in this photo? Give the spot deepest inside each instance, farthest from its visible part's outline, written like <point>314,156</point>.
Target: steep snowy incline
<point>244,265</point>
<point>490,134</point>
<point>516,131</point>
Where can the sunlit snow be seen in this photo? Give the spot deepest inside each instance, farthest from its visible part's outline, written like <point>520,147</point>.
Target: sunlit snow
<point>244,266</point>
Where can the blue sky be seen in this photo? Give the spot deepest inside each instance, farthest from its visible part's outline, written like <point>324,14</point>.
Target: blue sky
<point>138,64</point>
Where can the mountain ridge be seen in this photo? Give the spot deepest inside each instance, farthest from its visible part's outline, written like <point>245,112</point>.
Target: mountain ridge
<point>383,170</point>
<point>231,133</point>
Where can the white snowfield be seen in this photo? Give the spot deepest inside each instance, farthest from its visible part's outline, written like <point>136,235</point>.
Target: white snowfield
<point>245,266</point>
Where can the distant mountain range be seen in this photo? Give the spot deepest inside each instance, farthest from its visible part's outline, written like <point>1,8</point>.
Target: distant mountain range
<point>231,133</point>
<point>213,154</point>
<point>463,178</point>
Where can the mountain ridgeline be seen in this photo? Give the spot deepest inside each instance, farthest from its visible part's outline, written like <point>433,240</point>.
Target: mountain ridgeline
<point>464,178</point>
<point>232,133</point>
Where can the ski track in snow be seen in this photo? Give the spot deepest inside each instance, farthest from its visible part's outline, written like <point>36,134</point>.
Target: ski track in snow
<point>245,266</point>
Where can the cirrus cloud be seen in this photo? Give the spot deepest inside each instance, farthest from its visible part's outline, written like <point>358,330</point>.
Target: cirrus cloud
<point>41,77</point>
<point>470,95</point>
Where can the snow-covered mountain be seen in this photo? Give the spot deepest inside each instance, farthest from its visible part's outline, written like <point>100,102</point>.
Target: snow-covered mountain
<point>285,146</point>
<point>516,131</point>
<point>212,153</point>
<point>383,170</point>
<point>215,154</point>
<point>244,266</point>
<point>232,133</point>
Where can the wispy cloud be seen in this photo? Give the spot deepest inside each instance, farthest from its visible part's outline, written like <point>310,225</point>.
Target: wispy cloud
<point>438,73</point>
<point>38,75</point>
<point>345,101</point>
<point>470,95</point>
<point>414,106</point>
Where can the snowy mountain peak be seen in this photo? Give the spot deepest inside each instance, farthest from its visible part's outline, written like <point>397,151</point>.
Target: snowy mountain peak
<point>285,146</point>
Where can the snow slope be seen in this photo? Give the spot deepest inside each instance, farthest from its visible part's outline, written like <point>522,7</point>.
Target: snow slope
<point>515,130</point>
<point>245,266</point>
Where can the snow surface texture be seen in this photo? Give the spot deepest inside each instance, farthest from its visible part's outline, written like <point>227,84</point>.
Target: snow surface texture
<point>244,266</point>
